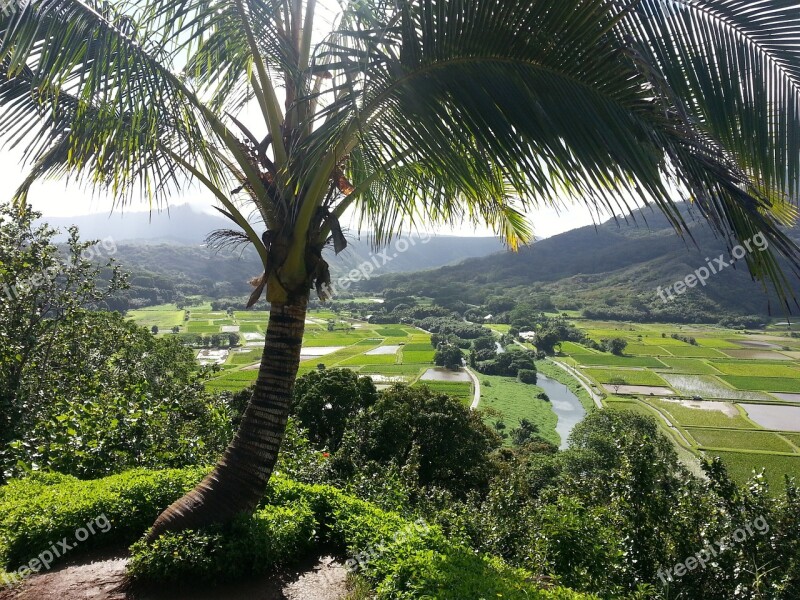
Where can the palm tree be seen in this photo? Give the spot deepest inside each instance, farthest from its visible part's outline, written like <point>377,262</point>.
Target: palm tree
<point>403,112</point>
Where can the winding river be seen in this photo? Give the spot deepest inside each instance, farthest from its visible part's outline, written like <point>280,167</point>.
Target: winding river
<point>565,404</point>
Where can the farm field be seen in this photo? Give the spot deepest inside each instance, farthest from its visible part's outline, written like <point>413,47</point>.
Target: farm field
<point>387,353</point>
<point>515,401</point>
<point>732,390</point>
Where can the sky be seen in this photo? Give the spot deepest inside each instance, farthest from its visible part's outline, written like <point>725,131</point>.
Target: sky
<point>57,199</point>
<point>60,199</point>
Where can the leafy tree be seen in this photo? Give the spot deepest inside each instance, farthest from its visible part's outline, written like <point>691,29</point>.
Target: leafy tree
<point>41,288</point>
<point>435,437</point>
<point>448,356</point>
<point>117,397</point>
<point>616,346</point>
<point>391,116</point>
<point>154,329</point>
<point>527,376</point>
<point>524,433</point>
<point>326,400</point>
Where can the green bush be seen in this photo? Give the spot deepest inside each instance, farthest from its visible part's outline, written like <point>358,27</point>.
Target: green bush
<point>458,573</point>
<point>399,558</point>
<point>42,508</point>
<point>527,376</point>
<point>273,536</point>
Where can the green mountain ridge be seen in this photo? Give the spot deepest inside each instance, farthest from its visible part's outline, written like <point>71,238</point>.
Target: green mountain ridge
<point>613,270</point>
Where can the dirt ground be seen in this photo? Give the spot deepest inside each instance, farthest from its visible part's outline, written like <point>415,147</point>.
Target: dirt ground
<point>103,577</point>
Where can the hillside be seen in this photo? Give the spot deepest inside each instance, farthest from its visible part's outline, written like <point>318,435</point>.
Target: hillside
<point>613,270</point>
<point>167,258</point>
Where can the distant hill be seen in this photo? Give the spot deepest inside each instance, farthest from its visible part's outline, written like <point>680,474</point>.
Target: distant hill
<point>181,224</point>
<point>611,271</point>
<point>167,257</point>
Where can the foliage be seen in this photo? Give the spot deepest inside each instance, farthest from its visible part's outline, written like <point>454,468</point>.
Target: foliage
<point>448,356</point>
<point>615,346</point>
<point>508,364</point>
<point>434,439</point>
<point>325,402</point>
<point>41,508</point>
<point>250,545</point>
<point>116,397</point>
<point>42,288</point>
<point>527,376</point>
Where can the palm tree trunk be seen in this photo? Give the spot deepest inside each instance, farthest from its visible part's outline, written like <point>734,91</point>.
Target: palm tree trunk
<point>237,483</point>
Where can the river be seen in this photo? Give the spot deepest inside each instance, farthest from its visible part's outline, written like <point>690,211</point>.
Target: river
<point>565,404</point>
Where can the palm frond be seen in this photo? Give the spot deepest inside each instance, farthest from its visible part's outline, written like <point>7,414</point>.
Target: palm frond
<point>93,100</point>
<point>553,98</point>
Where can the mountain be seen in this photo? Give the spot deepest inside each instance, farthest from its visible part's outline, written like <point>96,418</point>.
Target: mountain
<point>614,270</point>
<point>167,258</point>
<point>181,224</point>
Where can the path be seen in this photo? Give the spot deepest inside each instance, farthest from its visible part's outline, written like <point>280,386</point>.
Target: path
<point>576,375</point>
<point>476,396</point>
<point>321,578</point>
<point>670,424</point>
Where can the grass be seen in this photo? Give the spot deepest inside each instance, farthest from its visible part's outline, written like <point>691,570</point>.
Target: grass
<point>630,376</point>
<point>742,464</point>
<point>376,359</point>
<point>232,381</point>
<point>687,416</point>
<point>418,356</point>
<point>763,384</point>
<point>165,316</point>
<point>646,350</point>
<point>739,440</point>
<point>200,327</point>
<point>392,332</point>
<point>716,343</point>
<point>245,358</point>
<point>517,401</point>
<point>573,348</point>
<point>460,390</point>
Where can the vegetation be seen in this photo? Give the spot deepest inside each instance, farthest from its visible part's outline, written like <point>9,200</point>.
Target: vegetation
<point>398,143</point>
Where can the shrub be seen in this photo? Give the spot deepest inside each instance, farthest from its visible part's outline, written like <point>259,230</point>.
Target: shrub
<point>41,508</point>
<point>272,537</point>
<point>527,376</point>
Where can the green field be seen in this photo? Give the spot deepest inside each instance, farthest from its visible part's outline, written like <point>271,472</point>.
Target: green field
<point>630,376</point>
<point>742,464</point>
<point>739,440</point>
<point>717,366</point>
<point>611,360</point>
<point>701,417</point>
<point>686,351</point>
<point>418,356</point>
<point>462,391</point>
<point>517,401</point>
<point>646,350</point>
<point>763,384</point>
<point>165,317</point>
<point>757,368</point>
<point>689,366</point>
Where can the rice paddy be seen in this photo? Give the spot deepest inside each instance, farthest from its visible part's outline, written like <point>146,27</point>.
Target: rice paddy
<point>734,395</point>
